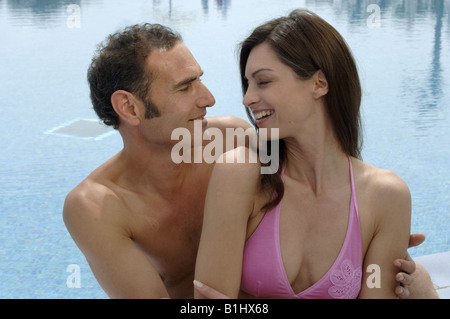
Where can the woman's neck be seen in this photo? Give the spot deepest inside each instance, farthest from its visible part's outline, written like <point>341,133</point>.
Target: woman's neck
<point>315,159</point>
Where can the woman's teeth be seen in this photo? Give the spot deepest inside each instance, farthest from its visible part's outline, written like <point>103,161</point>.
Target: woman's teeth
<point>263,114</point>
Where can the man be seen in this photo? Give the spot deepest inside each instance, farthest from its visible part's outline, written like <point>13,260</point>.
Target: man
<point>137,218</point>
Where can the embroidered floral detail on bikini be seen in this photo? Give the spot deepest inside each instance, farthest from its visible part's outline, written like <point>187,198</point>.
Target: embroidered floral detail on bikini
<point>346,281</point>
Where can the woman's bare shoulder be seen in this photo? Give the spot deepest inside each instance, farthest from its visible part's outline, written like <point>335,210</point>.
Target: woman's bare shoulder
<point>383,188</point>
<point>236,171</point>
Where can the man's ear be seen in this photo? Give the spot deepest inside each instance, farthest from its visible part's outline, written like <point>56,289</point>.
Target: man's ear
<point>320,84</point>
<point>126,107</point>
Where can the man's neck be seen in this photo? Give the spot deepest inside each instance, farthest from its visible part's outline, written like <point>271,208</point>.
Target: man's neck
<point>150,168</point>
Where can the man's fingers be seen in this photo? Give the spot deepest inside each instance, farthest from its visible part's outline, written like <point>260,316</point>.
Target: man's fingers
<point>402,292</point>
<point>406,265</point>
<point>404,279</point>
<point>208,292</point>
<point>416,239</point>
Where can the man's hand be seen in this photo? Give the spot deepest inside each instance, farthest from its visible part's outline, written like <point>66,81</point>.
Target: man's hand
<point>415,282</point>
<point>405,277</point>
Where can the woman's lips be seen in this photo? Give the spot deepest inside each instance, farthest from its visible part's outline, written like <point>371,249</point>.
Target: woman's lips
<point>263,116</point>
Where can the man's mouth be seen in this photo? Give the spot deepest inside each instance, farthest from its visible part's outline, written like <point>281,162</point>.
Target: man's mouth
<point>200,118</point>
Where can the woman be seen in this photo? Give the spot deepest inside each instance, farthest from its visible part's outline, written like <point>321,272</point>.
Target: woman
<point>326,222</point>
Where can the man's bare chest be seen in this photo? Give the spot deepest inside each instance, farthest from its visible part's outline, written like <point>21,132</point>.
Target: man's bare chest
<point>168,231</point>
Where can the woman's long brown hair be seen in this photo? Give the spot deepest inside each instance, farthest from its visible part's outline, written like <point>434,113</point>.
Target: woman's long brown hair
<point>307,43</point>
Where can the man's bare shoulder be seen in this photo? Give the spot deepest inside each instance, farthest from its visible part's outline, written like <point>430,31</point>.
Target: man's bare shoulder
<point>95,192</point>
<point>92,203</point>
<point>89,194</point>
<point>229,121</point>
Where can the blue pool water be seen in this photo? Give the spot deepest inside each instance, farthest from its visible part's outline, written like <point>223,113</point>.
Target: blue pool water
<point>50,139</point>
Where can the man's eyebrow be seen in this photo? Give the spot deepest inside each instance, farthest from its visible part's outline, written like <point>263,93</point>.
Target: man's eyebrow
<point>187,81</point>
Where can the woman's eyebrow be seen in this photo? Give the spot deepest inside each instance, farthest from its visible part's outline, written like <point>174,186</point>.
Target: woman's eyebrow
<point>258,71</point>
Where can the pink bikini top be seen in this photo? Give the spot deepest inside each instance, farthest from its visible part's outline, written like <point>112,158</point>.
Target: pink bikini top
<point>263,273</point>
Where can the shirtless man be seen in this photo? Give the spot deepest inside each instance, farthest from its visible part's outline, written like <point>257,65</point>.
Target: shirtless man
<point>137,218</point>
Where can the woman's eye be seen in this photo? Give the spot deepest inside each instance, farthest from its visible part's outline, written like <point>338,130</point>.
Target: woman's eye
<point>262,83</point>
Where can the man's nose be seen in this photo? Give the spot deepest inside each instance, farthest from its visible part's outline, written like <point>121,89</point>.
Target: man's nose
<point>207,99</point>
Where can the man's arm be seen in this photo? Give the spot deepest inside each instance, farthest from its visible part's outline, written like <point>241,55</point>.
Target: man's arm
<point>228,121</point>
<point>414,280</point>
<point>120,267</point>
<point>237,134</point>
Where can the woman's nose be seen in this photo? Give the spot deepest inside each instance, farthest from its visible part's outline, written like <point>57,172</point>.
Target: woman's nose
<point>251,98</point>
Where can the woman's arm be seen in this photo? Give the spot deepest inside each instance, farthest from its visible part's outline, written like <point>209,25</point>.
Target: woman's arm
<point>229,203</point>
<point>391,225</point>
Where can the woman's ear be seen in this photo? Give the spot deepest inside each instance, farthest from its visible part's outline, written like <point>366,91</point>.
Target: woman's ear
<point>126,108</point>
<point>320,84</point>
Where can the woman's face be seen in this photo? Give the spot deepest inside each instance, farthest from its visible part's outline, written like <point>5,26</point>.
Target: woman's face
<point>277,97</point>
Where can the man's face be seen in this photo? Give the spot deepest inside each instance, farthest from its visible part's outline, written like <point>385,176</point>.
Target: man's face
<point>177,92</point>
